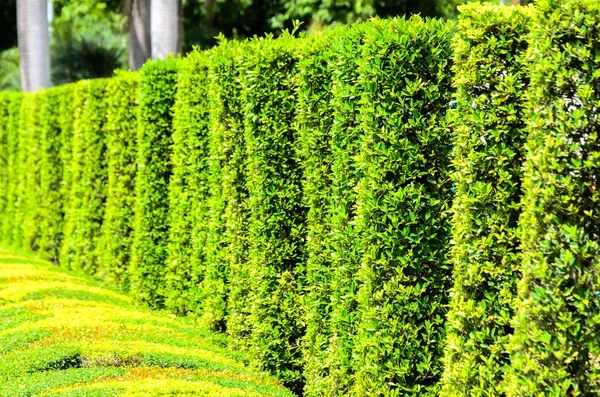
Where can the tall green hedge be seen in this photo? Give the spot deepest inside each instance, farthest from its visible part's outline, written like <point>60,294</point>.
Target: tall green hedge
<point>89,175</point>
<point>402,207</point>
<point>31,196</point>
<point>120,130</point>
<point>189,189</point>
<point>227,244</point>
<point>154,148</point>
<point>13,113</point>
<point>52,200</point>
<point>555,348</point>
<point>491,78</point>
<point>277,216</point>
<point>5,100</point>
<point>313,123</point>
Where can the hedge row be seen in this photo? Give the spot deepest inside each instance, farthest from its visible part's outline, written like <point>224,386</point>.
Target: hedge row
<point>315,199</point>
<point>491,79</point>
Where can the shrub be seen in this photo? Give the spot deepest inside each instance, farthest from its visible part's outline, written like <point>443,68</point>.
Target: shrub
<point>189,189</point>
<point>276,222</point>
<point>227,245</point>
<point>88,178</point>
<point>313,123</point>
<point>52,200</point>
<point>402,205</point>
<point>122,113</point>
<point>555,347</point>
<point>5,100</point>
<point>13,112</point>
<point>154,140</point>
<point>490,77</point>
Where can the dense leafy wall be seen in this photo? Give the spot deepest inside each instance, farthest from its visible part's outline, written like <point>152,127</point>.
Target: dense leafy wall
<point>491,79</point>
<point>154,148</point>
<point>555,347</point>
<point>122,112</point>
<point>300,194</point>
<point>189,189</point>
<point>402,202</point>
<point>89,174</point>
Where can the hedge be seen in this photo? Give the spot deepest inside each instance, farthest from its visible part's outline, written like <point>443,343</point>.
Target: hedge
<point>276,214</point>
<point>154,148</point>
<point>189,189</point>
<point>13,113</point>
<point>402,205</point>
<point>85,214</point>
<point>555,347</point>
<point>120,130</point>
<point>227,244</point>
<point>52,200</point>
<point>313,124</point>
<point>490,77</point>
<point>314,198</point>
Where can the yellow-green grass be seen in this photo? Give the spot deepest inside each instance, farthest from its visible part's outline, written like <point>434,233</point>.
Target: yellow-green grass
<point>64,334</point>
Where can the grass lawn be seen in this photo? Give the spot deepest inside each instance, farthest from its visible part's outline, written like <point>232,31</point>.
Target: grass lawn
<point>64,334</point>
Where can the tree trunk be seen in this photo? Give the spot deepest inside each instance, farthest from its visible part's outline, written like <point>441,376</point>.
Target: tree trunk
<point>140,49</point>
<point>34,44</point>
<point>167,28</point>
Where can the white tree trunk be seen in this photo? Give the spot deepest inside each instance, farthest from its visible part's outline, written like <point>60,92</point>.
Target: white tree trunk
<point>34,44</point>
<point>167,28</point>
<point>140,49</point>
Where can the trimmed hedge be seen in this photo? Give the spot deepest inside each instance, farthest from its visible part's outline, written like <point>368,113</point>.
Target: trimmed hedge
<point>13,114</point>
<point>189,189</point>
<point>402,207</point>
<point>122,113</point>
<point>51,184</point>
<point>491,78</point>
<point>296,193</point>
<point>154,151</point>
<point>555,347</point>
<point>313,124</point>
<point>227,244</point>
<point>275,259</point>
<point>85,214</point>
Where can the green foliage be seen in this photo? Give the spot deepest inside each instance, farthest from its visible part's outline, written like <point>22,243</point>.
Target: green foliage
<point>555,347</point>
<point>276,212</point>
<point>154,152</point>
<point>313,122</point>
<point>402,207</point>
<point>122,112</point>
<point>226,245</point>
<point>51,186</point>
<point>10,74</point>
<point>189,190</point>
<point>88,173</point>
<point>13,113</point>
<point>491,78</point>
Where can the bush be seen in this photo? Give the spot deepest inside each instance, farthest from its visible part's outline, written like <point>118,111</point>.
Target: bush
<point>52,200</point>
<point>313,123</point>
<point>402,205</point>
<point>89,176</point>
<point>13,113</point>
<point>189,189</point>
<point>227,245</point>
<point>5,100</point>
<point>276,214</point>
<point>555,347</point>
<point>122,113</point>
<point>154,140</point>
<point>491,77</point>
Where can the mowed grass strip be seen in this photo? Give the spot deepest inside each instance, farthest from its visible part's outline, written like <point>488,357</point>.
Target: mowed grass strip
<point>63,334</point>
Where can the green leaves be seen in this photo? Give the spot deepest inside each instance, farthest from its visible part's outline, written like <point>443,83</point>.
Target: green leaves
<point>490,77</point>
<point>154,150</point>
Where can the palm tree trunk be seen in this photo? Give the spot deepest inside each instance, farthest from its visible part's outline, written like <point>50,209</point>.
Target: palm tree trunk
<point>34,44</point>
<point>140,50</point>
<point>167,28</point>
